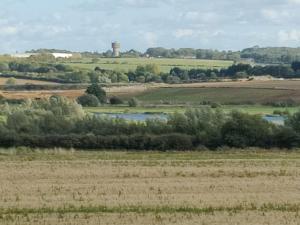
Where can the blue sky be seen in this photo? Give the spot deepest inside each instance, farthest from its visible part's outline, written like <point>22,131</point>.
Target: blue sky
<point>91,25</point>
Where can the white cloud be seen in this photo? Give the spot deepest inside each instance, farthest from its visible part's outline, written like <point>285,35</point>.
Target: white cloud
<point>195,33</point>
<point>275,15</point>
<point>8,30</point>
<point>183,33</point>
<point>294,1</point>
<point>151,39</point>
<point>288,36</point>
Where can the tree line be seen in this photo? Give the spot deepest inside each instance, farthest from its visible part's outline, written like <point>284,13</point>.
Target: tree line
<point>269,55</point>
<point>59,122</point>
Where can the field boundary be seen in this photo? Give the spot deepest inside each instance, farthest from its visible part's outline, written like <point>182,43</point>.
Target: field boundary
<point>151,209</point>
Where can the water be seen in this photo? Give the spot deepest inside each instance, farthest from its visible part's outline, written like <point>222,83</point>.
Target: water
<point>279,120</point>
<point>141,117</point>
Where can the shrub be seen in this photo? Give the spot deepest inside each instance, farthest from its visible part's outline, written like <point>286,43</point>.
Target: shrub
<point>4,67</point>
<point>115,100</point>
<point>97,91</point>
<point>286,137</point>
<point>243,130</point>
<point>88,101</point>
<point>215,105</point>
<point>133,102</point>
<point>11,81</point>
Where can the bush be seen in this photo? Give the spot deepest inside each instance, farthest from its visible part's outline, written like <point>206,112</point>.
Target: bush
<point>286,137</point>
<point>243,130</point>
<point>88,100</point>
<point>4,67</point>
<point>215,105</point>
<point>97,91</point>
<point>115,101</point>
<point>11,81</point>
<point>133,102</point>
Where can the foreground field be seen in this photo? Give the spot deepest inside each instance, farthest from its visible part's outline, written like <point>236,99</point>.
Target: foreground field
<point>61,187</point>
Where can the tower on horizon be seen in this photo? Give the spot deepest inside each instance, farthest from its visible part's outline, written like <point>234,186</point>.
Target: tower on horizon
<point>116,46</point>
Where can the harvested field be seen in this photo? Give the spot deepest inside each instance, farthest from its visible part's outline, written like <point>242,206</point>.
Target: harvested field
<point>24,81</point>
<point>239,92</point>
<point>249,187</point>
<point>41,94</point>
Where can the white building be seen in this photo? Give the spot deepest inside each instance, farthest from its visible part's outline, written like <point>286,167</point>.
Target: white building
<point>56,55</point>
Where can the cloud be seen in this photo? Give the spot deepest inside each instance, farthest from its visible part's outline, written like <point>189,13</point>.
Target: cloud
<point>150,39</point>
<point>8,30</point>
<point>92,24</point>
<point>275,15</point>
<point>288,36</point>
<point>182,33</point>
<point>294,1</point>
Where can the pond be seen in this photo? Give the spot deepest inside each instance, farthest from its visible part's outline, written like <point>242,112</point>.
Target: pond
<point>141,117</point>
<point>162,116</point>
<point>279,120</point>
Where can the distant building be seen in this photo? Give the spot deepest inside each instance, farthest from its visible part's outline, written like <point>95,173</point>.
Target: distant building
<point>116,49</point>
<point>22,55</point>
<point>62,55</point>
<point>27,55</point>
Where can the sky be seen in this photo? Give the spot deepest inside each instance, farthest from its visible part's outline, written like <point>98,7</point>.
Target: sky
<point>91,25</point>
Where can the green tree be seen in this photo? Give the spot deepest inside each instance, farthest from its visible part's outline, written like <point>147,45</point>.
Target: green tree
<point>97,91</point>
<point>243,130</point>
<point>88,100</point>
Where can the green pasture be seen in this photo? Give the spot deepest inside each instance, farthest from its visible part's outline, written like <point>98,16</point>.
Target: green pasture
<point>228,96</point>
<point>126,64</point>
<point>251,109</point>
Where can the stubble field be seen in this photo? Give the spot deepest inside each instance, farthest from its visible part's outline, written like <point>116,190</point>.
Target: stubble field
<point>67,187</point>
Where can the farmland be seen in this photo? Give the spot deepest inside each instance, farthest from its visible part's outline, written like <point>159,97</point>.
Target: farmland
<point>223,92</point>
<point>59,186</point>
<point>251,109</point>
<point>125,64</point>
<point>26,81</point>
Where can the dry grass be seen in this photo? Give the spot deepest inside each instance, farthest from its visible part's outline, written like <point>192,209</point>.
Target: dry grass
<point>24,81</point>
<point>150,188</point>
<point>73,94</point>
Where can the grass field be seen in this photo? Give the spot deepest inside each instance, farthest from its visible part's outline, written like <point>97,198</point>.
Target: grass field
<point>67,187</point>
<point>219,95</point>
<point>126,64</point>
<point>251,109</point>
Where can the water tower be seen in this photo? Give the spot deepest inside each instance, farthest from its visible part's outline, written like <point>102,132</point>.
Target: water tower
<point>116,49</point>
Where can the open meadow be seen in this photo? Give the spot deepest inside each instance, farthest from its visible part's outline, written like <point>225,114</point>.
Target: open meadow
<point>126,64</point>
<point>75,187</point>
